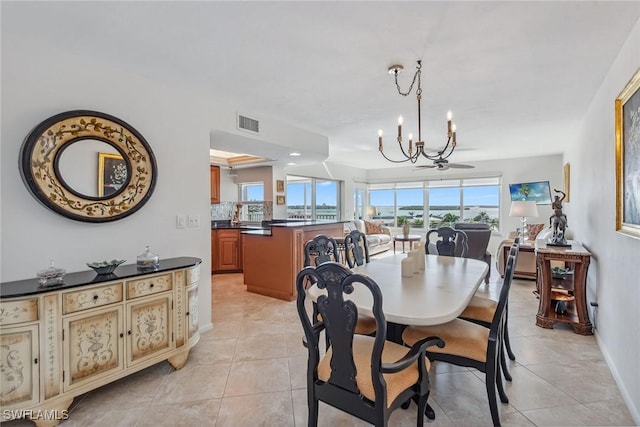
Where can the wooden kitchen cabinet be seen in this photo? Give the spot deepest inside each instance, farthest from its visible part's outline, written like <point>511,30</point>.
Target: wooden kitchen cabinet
<point>226,251</point>
<point>215,184</point>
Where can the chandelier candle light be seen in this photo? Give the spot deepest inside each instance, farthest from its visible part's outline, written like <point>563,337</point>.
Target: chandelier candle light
<point>440,157</point>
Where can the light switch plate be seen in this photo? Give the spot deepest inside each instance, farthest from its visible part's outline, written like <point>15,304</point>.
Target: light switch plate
<point>181,221</point>
<point>194,221</point>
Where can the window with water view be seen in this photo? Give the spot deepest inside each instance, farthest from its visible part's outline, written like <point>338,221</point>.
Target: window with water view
<point>445,201</point>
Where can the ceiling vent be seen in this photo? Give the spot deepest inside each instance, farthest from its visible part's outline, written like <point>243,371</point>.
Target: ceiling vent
<point>248,124</point>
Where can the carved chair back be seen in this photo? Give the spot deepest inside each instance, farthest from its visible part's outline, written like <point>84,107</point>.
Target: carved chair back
<point>321,249</point>
<point>356,248</point>
<point>450,242</point>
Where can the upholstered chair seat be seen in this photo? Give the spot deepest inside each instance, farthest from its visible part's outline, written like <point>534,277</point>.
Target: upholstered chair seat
<point>461,338</point>
<point>481,309</point>
<point>362,348</point>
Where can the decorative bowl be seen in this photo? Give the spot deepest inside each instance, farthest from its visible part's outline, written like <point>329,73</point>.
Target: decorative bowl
<point>105,267</point>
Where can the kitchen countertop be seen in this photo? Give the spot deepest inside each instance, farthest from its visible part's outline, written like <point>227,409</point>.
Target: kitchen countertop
<point>226,225</point>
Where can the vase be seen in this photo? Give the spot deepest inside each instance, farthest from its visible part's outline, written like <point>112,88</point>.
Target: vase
<point>405,229</point>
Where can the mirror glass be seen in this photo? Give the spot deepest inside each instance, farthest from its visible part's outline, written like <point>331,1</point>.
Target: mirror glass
<point>92,168</point>
<point>88,166</point>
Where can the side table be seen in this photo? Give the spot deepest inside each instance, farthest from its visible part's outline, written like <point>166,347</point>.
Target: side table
<point>524,247</point>
<point>573,284</point>
<point>402,238</point>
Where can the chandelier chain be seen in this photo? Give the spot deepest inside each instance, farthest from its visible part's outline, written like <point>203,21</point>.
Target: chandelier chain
<point>415,76</point>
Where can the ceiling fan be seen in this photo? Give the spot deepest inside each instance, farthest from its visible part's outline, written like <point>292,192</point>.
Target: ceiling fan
<point>443,165</point>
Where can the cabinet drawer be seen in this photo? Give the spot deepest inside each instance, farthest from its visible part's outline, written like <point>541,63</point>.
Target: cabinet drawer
<point>91,298</point>
<point>18,311</point>
<point>193,275</point>
<point>149,285</point>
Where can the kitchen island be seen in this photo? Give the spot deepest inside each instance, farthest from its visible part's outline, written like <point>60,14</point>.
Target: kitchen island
<point>273,257</point>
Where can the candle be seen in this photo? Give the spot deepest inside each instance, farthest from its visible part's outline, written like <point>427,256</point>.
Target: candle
<point>449,117</point>
<point>399,128</point>
<point>410,143</point>
<point>407,267</point>
<point>453,127</point>
<point>380,139</point>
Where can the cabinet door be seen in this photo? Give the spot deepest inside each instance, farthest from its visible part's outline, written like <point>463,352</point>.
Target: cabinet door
<point>149,330</point>
<point>19,379</point>
<point>93,345</point>
<point>215,184</point>
<point>228,258</point>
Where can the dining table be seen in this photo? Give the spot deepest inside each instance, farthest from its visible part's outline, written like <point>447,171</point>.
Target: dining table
<point>434,295</point>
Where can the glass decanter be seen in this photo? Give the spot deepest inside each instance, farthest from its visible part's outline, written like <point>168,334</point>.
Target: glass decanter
<point>51,276</point>
<point>148,260</point>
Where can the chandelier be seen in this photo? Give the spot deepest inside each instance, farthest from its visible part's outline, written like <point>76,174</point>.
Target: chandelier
<point>411,154</point>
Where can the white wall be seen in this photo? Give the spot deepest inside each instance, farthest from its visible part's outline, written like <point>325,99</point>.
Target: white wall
<point>176,126</point>
<point>614,270</point>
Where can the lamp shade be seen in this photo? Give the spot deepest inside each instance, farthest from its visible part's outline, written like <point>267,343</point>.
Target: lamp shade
<point>523,208</point>
<point>371,211</point>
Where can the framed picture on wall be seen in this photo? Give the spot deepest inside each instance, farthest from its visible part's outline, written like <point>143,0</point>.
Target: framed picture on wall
<point>627,107</point>
<point>280,200</point>
<point>279,186</point>
<point>112,173</point>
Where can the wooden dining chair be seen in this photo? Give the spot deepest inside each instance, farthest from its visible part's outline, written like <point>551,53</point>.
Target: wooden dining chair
<point>481,310</point>
<point>325,249</point>
<point>449,242</point>
<point>367,377</point>
<point>471,345</point>
<point>356,248</point>
<point>320,249</point>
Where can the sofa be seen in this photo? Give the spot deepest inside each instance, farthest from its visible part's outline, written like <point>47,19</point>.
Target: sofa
<point>526,265</point>
<point>378,236</point>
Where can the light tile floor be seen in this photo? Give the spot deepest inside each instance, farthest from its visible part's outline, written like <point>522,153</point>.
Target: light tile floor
<point>250,371</point>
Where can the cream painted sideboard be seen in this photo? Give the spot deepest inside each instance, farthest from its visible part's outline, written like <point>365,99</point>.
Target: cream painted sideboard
<point>59,342</point>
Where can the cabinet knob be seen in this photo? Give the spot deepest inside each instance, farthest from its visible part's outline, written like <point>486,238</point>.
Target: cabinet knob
<point>187,313</point>
<point>151,285</point>
<point>128,332</point>
<point>95,297</point>
<point>35,361</point>
<point>121,335</point>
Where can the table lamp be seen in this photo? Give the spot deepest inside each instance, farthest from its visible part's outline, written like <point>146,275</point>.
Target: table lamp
<point>371,211</point>
<point>523,209</point>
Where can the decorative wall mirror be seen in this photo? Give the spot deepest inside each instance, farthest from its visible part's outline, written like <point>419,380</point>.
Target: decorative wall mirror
<point>88,166</point>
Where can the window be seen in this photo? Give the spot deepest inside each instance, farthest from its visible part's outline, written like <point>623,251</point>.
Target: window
<point>310,198</point>
<point>358,203</point>
<point>252,199</point>
<point>446,201</point>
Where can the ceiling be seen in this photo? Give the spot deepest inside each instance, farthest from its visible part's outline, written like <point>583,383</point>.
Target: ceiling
<point>518,76</point>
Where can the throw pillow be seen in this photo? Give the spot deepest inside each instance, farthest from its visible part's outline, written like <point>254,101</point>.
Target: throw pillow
<point>373,227</point>
<point>533,230</point>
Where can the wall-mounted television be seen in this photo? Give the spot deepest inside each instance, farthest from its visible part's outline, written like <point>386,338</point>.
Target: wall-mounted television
<point>539,192</point>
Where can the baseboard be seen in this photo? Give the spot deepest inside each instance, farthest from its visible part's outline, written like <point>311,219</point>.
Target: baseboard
<point>205,328</point>
<point>634,410</point>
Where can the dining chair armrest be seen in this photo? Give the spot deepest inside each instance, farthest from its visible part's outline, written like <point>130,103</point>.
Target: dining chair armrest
<point>317,328</point>
<point>417,350</point>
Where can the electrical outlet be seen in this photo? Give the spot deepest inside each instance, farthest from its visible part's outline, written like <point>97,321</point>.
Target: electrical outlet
<point>181,221</point>
<point>194,221</point>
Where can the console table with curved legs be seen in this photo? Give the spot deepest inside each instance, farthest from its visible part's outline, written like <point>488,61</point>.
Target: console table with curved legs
<point>573,284</point>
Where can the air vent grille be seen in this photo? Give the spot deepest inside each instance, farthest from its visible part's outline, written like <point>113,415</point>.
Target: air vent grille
<point>248,124</point>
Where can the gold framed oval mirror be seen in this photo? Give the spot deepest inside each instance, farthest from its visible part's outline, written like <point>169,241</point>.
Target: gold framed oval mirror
<point>88,166</point>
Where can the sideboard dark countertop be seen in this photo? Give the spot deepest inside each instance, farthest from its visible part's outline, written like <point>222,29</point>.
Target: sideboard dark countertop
<point>26,287</point>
